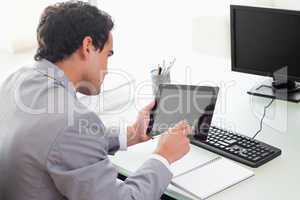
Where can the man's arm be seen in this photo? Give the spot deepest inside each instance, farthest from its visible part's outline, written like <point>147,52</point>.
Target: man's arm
<point>80,169</point>
<point>121,136</point>
<point>115,139</point>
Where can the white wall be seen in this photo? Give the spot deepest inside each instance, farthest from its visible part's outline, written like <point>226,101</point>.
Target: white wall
<point>145,32</point>
<point>211,31</point>
<point>18,21</point>
<point>152,30</point>
<point>160,19</point>
<point>287,4</point>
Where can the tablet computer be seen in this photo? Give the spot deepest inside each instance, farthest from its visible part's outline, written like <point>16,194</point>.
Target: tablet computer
<point>173,103</point>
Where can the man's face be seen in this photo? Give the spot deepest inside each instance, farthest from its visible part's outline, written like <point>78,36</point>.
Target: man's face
<point>97,67</point>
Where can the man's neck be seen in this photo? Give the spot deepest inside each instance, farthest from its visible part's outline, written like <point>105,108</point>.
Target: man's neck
<point>71,70</point>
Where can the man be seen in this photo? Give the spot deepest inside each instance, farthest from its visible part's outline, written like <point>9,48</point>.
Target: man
<point>48,152</point>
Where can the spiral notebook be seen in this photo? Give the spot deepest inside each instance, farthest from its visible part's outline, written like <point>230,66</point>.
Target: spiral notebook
<point>212,177</point>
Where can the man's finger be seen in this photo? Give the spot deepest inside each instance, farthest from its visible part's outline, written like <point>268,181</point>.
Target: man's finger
<point>182,124</point>
<point>178,128</point>
<point>183,128</point>
<point>149,106</point>
<point>187,131</point>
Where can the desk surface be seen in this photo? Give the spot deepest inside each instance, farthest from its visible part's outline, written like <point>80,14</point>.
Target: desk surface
<point>238,111</point>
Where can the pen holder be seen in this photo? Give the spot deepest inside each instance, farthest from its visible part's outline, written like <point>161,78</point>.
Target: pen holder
<point>157,79</point>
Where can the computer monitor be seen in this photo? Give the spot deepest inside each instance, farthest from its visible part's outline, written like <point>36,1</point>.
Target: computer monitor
<point>263,42</point>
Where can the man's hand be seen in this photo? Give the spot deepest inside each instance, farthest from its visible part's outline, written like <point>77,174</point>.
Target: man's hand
<point>174,144</point>
<point>137,132</point>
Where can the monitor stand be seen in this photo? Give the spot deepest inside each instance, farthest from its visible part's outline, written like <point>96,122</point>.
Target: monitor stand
<point>288,91</point>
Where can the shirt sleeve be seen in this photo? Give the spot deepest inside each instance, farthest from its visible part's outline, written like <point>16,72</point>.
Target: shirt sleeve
<point>161,159</point>
<point>123,138</point>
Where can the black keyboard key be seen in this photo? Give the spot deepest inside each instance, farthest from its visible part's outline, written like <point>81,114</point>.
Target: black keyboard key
<point>210,142</point>
<point>231,141</point>
<point>223,143</point>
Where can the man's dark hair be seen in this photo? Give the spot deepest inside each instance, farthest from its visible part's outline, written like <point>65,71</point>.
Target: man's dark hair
<point>63,26</point>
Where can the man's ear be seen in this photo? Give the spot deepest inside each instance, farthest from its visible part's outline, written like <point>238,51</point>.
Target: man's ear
<point>86,47</point>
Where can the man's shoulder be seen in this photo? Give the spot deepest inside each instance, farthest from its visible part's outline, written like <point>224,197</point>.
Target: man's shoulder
<point>25,81</point>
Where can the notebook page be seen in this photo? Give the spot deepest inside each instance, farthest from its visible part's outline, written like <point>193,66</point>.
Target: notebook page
<point>139,153</point>
<point>195,158</point>
<point>212,178</point>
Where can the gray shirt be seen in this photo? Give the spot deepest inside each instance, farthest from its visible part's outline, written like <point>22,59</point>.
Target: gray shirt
<point>54,148</point>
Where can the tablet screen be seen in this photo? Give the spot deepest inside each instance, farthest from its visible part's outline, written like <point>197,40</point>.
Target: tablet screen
<point>174,103</point>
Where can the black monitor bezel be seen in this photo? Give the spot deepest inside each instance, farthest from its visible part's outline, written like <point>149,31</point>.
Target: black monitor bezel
<point>234,66</point>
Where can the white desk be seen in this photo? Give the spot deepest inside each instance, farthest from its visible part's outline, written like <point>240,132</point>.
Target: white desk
<point>275,180</point>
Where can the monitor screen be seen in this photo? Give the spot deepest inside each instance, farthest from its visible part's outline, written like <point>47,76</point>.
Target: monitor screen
<point>265,40</point>
<point>194,104</point>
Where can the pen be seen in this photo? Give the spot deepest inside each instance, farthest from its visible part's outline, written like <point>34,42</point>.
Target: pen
<point>159,70</point>
<point>171,65</point>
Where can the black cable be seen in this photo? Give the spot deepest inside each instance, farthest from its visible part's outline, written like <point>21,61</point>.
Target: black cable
<point>262,119</point>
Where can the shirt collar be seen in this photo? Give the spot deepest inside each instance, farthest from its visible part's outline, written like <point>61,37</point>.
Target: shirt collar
<point>52,71</point>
